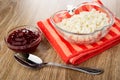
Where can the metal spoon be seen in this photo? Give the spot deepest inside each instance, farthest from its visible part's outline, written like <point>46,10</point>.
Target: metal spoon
<point>33,61</point>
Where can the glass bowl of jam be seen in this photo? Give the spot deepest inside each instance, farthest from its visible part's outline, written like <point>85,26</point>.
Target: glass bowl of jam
<point>23,39</point>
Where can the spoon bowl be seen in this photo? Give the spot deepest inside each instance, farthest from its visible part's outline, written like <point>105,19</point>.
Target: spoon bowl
<point>33,61</point>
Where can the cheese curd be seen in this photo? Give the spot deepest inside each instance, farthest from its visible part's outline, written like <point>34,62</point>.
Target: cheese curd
<point>85,22</point>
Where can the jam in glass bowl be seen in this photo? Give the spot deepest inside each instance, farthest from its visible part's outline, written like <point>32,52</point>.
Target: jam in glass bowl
<point>23,39</point>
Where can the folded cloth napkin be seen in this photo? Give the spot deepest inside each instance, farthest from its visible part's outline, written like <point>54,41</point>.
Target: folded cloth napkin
<point>75,53</point>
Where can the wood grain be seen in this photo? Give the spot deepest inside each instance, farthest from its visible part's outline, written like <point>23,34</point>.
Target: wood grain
<point>20,12</point>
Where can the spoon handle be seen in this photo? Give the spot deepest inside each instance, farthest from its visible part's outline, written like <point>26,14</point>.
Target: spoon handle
<point>81,69</point>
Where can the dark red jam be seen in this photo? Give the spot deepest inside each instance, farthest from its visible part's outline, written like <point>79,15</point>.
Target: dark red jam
<point>24,40</point>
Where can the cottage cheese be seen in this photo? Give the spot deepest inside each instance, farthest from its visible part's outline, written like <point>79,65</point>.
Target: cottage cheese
<point>85,22</point>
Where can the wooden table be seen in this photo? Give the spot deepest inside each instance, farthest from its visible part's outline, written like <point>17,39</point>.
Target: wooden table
<point>20,12</point>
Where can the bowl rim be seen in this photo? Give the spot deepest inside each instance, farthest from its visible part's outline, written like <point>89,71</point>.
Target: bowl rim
<point>82,4</point>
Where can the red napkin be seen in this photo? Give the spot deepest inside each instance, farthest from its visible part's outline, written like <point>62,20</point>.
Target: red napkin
<point>74,53</point>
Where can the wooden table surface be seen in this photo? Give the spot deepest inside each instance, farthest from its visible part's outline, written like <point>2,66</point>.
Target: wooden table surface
<point>20,12</point>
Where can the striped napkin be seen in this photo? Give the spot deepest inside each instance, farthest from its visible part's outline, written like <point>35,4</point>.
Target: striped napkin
<point>75,53</point>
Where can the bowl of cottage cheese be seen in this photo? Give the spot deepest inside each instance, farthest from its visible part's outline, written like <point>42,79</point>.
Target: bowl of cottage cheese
<point>88,23</point>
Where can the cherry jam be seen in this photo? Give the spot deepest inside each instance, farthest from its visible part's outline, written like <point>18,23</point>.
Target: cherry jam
<point>23,40</point>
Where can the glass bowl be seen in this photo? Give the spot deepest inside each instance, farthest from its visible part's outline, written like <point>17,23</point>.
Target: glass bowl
<point>83,37</point>
<point>23,39</point>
